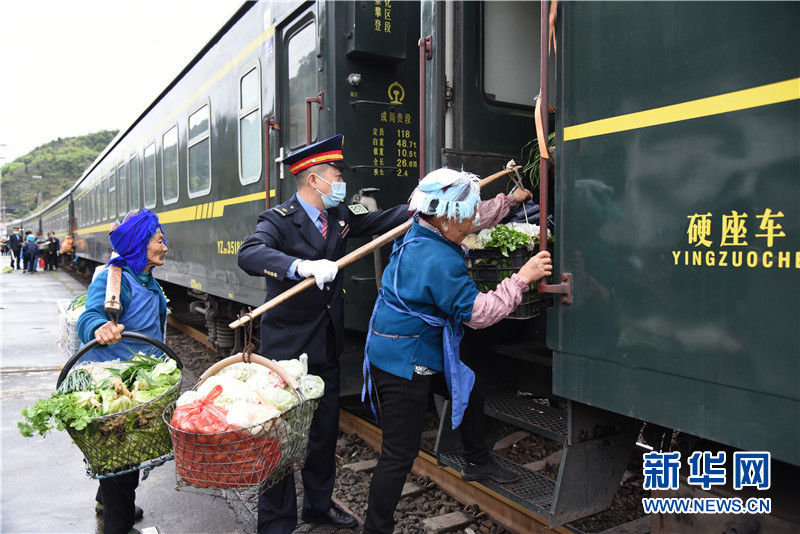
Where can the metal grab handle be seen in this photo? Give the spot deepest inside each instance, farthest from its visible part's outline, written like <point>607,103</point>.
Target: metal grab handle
<point>125,335</point>
<point>542,125</point>
<point>309,101</point>
<point>425,54</point>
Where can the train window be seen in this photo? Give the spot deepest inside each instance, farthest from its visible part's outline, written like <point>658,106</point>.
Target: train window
<point>112,196</point>
<point>509,40</point>
<point>150,176</point>
<point>169,166</point>
<point>250,127</point>
<point>133,168</point>
<point>199,152</point>
<point>122,181</point>
<point>301,50</point>
<point>103,198</point>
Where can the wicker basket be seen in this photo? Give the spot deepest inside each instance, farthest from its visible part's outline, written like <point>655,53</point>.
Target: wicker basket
<point>127,441</point>
<point>257,456</point>
<point>488,267</point>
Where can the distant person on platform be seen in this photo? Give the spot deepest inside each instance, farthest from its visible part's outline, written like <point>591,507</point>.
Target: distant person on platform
<point>67,249</point>
<point>30,253</point>
<point>51,256</point>
<point>300,238</point>
<point>15,246</point>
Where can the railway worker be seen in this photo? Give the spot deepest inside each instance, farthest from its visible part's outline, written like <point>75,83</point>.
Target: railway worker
<point>138,240</point>
<point>300,238</point>
<point>51,256</point>
<point>15,245</point>
<point>415,331</point>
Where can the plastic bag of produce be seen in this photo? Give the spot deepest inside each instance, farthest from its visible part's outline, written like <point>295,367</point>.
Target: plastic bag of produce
<point>202,416</point>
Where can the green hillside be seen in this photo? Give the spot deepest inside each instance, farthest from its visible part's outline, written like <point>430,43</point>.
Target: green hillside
<point>50,170</point>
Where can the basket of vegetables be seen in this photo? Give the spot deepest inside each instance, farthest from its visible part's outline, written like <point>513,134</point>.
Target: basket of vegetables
<point>112,409</point>
<point>244,424</point>
<point>497,253</point>
<point>68,313</point>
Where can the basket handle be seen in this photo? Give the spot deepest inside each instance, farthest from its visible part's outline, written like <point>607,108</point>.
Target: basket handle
<point>254,358</point>
<point>125,335</point>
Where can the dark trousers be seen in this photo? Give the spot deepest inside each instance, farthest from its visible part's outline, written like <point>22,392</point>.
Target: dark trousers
<point>277,506</point>
<point>403,404</point>
<point>15,257</point>
<point>118,495</point>
<point>51,259</point>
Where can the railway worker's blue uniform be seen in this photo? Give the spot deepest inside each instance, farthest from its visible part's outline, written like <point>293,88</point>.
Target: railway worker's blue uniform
<point>311,322</point>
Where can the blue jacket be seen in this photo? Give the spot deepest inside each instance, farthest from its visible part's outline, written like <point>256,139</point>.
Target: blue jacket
<point>144,310</point>
<point>432,279</point>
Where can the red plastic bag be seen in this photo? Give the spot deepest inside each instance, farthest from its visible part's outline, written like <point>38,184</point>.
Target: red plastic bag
<point>202,416</point>
<point>41,263</point>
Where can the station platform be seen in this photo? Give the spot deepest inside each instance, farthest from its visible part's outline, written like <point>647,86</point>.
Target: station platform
<point>45,488</point>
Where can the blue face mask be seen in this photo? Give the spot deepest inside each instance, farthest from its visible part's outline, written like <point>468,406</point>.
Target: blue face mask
<point>337,194</point>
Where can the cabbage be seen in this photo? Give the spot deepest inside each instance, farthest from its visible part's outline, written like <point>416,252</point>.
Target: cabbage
<point>246,415</point>
<point>282,399</point>
<point>312,386</point>
<point>232,390</point>
<point>165,374</point>
<point>297,367</point>
<point>146,395</point>
<point>187,397</point>
<point>115,405</point>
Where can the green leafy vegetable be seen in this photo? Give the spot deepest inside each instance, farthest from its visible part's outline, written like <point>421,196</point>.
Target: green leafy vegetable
<point>507,239</point>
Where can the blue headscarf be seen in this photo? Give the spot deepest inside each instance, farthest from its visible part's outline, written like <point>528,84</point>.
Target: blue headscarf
<point>130,237</point>
<point>30,237</point>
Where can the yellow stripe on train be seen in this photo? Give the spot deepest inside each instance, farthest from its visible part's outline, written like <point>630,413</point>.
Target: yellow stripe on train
<point>198,212</point>
<point>715,105</point>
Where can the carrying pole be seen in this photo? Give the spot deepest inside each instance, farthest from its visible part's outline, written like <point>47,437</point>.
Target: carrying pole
<point>358,253</point>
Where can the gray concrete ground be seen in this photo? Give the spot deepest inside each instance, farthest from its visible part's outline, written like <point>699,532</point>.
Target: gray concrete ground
<point>44,486</point>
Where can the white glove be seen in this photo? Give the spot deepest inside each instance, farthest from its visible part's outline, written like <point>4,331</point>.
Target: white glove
<point>323,270</point>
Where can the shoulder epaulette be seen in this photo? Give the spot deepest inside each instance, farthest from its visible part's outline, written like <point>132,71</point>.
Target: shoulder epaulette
<point>286,209</point>
<point>357,209</point>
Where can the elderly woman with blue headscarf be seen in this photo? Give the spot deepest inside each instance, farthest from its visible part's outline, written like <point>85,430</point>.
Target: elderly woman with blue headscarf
<point>415,331</point>
<point>139,244</point>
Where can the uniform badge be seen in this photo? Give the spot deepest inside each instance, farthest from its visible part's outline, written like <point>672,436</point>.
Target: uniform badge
<point>357,209</point>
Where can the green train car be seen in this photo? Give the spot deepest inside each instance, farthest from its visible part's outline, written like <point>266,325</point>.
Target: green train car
<point>674,186</point>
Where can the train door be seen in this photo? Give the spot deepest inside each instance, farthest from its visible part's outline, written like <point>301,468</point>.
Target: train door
<point>490,86</point>
<point>352,68</point>
<point>297,72</point>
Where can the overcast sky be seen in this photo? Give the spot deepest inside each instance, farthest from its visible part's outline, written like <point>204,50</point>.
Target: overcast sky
<point>73,67</point>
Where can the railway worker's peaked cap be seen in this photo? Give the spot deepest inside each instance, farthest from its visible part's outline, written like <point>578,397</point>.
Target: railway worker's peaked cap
<point>326,151</point>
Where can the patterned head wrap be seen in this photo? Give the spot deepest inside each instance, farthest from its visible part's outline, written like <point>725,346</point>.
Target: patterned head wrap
<point>130,236</point>
<point>446,193</point>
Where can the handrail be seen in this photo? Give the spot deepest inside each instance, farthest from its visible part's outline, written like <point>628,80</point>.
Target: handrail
<point>542,125</point>
<point>268,124</point>
<point>309,101</point>
<point>424,55</point>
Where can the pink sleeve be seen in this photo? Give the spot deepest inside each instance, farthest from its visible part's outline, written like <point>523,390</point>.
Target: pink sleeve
<point>495,305</point>
<point>493,211</point>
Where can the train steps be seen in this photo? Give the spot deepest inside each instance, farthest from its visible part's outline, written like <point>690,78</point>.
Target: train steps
<point>528,415</point>
<point>532,491</point>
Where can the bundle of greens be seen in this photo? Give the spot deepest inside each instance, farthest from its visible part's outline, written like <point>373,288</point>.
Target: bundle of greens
<point>100,388</point>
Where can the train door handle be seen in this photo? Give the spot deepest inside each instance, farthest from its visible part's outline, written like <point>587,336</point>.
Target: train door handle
<point>310,100</point>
